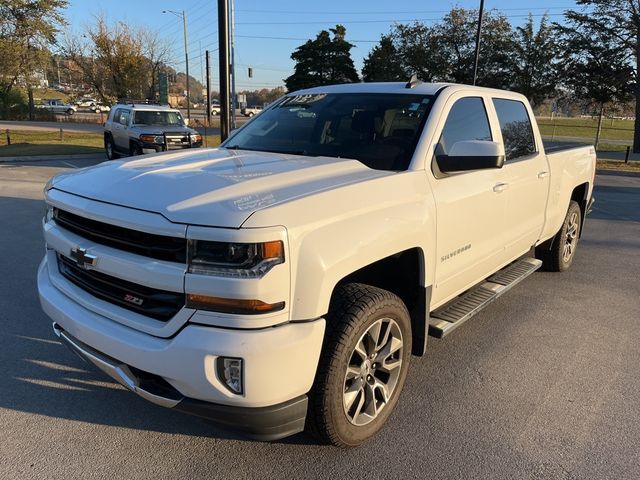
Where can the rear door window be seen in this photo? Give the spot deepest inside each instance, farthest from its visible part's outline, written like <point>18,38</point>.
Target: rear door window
<point>515,124</point>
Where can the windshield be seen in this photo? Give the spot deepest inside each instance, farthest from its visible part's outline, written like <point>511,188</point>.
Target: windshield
<point>157,118</point>
<point>380,130</point>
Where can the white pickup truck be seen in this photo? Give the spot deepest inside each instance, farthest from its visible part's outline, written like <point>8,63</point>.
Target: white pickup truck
<point>285,279</point>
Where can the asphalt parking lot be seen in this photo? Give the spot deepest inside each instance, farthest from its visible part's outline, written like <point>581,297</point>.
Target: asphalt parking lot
<point>544,383</point>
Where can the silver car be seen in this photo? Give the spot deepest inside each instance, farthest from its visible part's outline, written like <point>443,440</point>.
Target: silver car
<point>139,128</point>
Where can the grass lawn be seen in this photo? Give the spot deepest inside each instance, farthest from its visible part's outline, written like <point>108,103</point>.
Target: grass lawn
<point>632,166</point>
<point>586,127</point>
<point>27,143</point>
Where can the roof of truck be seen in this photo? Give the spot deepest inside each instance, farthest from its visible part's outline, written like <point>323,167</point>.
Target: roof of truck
<point>422,88</point>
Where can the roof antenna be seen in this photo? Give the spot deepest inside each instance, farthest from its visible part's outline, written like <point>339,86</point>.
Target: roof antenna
<point>413,81</point>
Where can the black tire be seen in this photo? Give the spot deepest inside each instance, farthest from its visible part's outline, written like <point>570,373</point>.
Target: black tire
<point>134,149</point>
<point>70,111</point>
<point>560,256</point>
<point>355,309</point>
<point>110,148</point>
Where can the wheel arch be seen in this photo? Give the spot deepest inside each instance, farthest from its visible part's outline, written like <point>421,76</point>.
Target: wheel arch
<point>579,195</point>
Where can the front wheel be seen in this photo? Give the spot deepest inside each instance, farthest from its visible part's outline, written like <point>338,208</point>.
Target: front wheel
<point>363,365</point>
<point>70,111</point>
<point>563,247</point>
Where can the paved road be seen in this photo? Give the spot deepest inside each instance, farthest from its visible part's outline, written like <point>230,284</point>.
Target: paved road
<point>543,384</point>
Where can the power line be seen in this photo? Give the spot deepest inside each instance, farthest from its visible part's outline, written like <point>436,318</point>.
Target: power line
<point>396,20</point>
<point>387,12</point>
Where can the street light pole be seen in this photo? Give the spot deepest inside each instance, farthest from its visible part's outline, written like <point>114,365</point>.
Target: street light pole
<point>223,55</point>
<point>186,55</point>
<point>478,33</point>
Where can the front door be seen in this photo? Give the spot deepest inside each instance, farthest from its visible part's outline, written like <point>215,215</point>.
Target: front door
<point>470,207</point>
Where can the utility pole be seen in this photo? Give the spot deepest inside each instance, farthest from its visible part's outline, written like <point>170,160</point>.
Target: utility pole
<point>233,67</point>
<point>208,66</point>
<point>479,32</point>
<point>186,54</point>
<point>186,59</point>
<point>223,56</point>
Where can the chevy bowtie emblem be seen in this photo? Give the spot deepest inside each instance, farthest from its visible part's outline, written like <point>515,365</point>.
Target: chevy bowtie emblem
<point>82,258</point>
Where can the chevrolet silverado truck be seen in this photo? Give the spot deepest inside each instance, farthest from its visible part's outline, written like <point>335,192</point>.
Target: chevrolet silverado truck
<point>284,280</point>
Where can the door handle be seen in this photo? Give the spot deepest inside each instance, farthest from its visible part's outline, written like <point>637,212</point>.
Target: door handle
<point>500,187</point>
<point>543,174</point>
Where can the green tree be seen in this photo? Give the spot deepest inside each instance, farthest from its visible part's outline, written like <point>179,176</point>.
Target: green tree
<point>455,39</point>
<point>594,67</point>
<point>383,63</point>
<point>535,69</point>
<point>616,23</point>
<point>323,61</point>
<point>27,31</point>
<point>445,51</point>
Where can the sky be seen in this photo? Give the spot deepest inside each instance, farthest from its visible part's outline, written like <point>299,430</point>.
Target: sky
<point>266,32</point>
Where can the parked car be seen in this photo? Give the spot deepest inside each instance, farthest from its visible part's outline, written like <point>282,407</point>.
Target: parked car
<point>286,278</point>
<point>215,109</point>
<point>58,106</point>
<point>251,111</point>
<point>139,128</point>
<point>100,108</point>
<point>86,102</point>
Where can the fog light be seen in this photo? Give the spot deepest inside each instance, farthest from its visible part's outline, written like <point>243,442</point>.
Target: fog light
<point>230,373</point>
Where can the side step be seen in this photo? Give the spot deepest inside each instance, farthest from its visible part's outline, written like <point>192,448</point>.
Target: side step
<point>450,316</point>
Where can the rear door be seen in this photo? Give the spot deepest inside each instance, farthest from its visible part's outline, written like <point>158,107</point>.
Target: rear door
<point>470,205</point>
<point>527,176</point>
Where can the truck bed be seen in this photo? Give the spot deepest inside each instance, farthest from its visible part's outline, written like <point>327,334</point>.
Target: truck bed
<point>554,147</point>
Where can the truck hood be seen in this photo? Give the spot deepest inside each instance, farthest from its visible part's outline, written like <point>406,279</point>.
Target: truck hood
<point>212,187</point>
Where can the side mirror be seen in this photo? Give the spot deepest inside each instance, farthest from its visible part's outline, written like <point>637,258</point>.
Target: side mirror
<point>472,155</point>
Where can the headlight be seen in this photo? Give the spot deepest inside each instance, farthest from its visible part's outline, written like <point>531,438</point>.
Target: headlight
<point>48,214</point>
<point>152,138</point>
<point>196,138</point>
<point>242,260</point>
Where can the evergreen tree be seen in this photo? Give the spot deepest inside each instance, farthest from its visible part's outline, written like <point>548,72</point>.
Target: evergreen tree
<point>615,26</point>
<point>323,61</point>
<point>383,63</point>
<point>535,71</point>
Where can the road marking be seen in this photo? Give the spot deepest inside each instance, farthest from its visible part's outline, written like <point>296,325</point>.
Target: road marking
<point>69,164</point>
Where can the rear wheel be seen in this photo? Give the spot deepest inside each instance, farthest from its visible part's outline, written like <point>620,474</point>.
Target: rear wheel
<point>563,247</point>
<point>363,365</point>
<point>110,148</point>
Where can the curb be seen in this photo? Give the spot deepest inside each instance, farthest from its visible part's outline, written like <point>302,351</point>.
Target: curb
<point>43,158</point>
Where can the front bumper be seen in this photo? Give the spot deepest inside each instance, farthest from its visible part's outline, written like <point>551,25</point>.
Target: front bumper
<point>279,363</point>
<point>262,423</point>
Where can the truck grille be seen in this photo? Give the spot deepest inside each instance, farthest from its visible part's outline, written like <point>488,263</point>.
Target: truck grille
<point>158,304</point>
<point>162,247</point>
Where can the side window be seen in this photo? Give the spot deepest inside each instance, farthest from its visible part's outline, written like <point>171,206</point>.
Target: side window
<point>116,115</point>
<point>124,117</point>
<point>467,120</point>
<point>515,124</point>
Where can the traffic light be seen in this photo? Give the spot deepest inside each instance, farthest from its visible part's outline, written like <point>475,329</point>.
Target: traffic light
<point>250,72</point>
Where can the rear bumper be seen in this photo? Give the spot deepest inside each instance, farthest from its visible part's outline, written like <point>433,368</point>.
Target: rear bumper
<point>262,423</point>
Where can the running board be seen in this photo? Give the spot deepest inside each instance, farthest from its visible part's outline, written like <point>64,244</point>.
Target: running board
<point>447,318</point>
